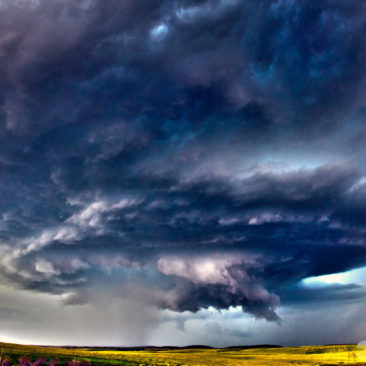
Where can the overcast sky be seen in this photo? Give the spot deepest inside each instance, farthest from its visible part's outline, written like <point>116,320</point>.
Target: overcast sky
<point>178,172</point>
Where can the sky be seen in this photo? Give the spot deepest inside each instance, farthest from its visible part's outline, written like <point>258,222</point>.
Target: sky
<point>182,172</point>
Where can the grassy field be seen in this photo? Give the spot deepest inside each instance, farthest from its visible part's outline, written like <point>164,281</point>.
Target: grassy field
<point>314,355</point>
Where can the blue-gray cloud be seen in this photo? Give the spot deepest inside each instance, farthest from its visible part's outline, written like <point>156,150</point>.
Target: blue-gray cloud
<point>194,153</point>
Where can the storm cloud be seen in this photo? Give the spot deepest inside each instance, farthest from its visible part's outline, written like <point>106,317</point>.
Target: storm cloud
<point>184,155</point>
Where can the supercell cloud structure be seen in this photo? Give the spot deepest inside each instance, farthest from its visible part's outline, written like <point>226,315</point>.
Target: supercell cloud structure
<point>185,155</point>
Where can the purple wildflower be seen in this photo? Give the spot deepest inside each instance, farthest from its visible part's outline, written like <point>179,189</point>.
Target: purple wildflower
<point>25,361</point>
<point>39,362</point>
<point>5,361</point>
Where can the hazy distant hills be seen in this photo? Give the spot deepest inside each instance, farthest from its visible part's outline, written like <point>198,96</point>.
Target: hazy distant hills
<point>172,348</point>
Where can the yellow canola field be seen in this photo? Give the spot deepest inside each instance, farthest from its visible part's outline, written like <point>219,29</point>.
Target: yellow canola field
<point>317,355</point>
<point>307,355</point>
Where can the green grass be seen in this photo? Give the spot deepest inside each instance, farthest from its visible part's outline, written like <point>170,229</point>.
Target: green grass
<point>307,355</point>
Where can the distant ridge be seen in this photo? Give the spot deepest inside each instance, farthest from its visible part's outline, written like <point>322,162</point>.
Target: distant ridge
<point>172,348</point>
<point>142,348</point>
<point>254,346</point>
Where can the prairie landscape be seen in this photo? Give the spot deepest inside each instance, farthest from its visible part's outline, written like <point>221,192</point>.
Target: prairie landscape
<point>187,172</point>
<point>279,356</point>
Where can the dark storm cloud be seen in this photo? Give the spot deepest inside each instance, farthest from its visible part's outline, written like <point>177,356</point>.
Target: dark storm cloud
<point>209,150</point>
<point>332,293</point>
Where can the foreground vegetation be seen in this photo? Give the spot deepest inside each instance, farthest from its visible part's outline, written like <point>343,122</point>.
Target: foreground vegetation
<point>314,355</point>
